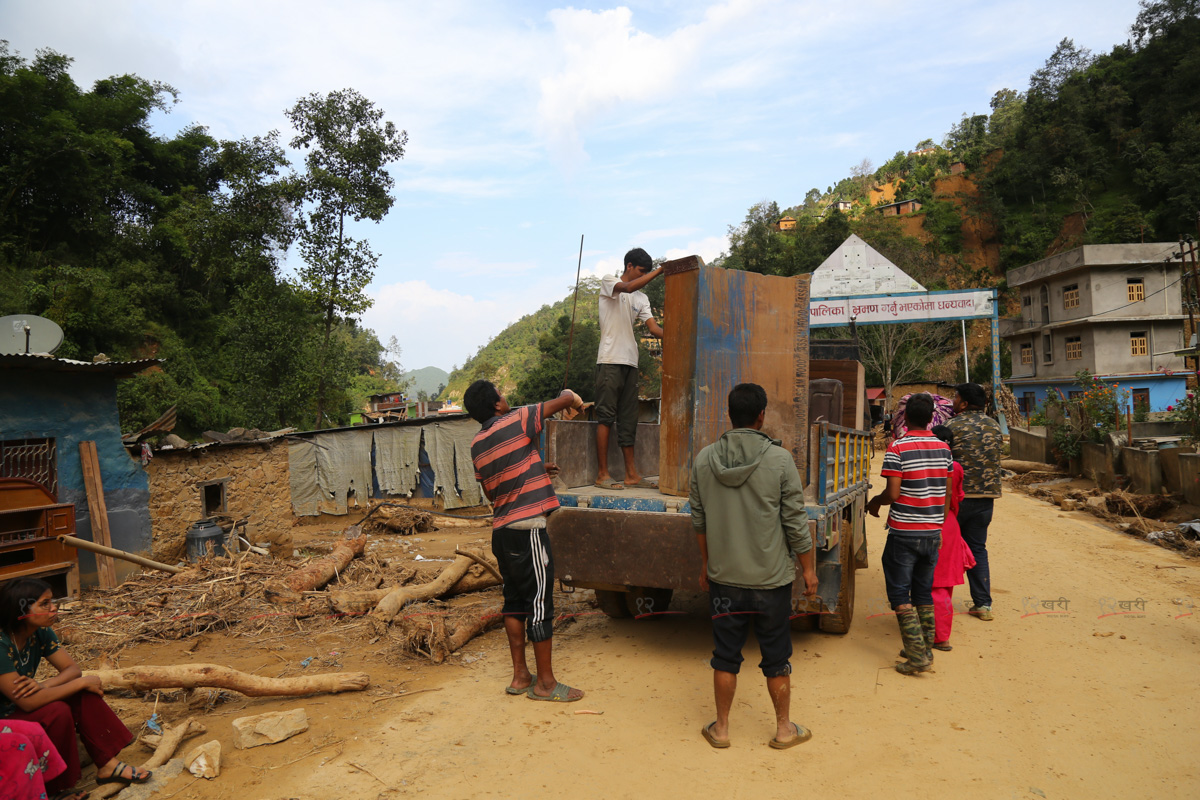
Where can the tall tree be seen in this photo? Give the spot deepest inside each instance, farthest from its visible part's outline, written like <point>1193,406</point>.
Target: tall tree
<point>349,146</point>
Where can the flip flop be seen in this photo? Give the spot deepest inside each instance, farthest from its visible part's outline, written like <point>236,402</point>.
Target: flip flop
<point>559,695</point>
<point>611,485</point>
<point>802,736</point>
<point>510,690</point>
<point>644,483</point>
<point>118,777</point>
<point>70,794</point>
<point>706,732</point>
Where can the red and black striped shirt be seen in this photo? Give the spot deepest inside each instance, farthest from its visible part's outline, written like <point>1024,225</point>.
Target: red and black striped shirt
<point>509,467</point>
<point>922,462</point>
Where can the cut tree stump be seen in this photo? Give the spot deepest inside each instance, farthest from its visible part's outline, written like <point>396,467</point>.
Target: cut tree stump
<point>316,574</point>
<point>196,676</point>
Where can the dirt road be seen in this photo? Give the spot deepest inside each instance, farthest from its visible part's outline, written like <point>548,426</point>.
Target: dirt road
<point>1082,700</point>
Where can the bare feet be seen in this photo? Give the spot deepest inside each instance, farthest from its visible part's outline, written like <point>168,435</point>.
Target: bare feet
<point>521,683</point>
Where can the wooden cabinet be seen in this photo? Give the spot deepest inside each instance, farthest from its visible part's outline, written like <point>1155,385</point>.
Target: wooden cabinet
<point>30,521</point>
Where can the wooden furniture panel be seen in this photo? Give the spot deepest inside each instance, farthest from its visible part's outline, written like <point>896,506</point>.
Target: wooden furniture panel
<point>725,327</point>
<point>29,522</point>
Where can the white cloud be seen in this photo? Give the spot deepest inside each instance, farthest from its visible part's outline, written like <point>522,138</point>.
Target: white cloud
<point>435,327</point>
<point>707,248</point>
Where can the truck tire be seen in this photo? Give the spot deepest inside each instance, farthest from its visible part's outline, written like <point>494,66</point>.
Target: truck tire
<point>839,622</point>
<point>612,603</point>
<point>645,603</point>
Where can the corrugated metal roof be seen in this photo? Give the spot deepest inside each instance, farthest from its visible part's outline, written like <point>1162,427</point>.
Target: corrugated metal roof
<point>46,363</point>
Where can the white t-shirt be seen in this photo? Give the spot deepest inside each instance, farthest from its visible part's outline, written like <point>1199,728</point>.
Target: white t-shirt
<point>618,314</point>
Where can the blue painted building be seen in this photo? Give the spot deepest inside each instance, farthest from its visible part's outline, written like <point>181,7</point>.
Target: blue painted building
<point>47,407</point>
<point>1114,310</point>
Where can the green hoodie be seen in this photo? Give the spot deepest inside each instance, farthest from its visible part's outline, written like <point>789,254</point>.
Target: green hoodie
<point>747,500</point>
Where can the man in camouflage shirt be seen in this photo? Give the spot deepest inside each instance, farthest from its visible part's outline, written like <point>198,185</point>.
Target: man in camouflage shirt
<point>977,442</point>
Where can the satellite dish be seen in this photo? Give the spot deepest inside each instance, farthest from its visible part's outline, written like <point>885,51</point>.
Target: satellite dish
<point>28,333</point>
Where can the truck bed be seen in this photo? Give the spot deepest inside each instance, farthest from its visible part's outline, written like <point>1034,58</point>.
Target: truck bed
<point>629,499</point>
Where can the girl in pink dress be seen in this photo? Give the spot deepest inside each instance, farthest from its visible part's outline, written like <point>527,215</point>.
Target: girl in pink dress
<point>954,558</point>
<point>27,760</point>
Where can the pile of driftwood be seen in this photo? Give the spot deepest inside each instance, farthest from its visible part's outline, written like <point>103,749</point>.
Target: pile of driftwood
<point>256,597</point>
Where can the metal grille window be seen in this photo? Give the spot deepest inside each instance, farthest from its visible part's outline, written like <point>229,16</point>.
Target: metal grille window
<point>1136,289</point>
<point>1071,296</point>
<point>34,459</point>
<point>1137,343</point>
<point>1074,348</point>
<point>1026,354</point>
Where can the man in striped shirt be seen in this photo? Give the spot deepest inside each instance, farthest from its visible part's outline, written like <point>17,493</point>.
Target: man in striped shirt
<point>510,469</point>
<point>916,468</point>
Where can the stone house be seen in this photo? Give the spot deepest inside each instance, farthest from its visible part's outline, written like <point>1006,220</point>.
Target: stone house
<point>242,480</point>
<point>1111,309</point>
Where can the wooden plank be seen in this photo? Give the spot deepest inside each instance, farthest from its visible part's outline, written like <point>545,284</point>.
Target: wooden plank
<point>89,460</point>
<point>678,381</point>
<point>854,388</point>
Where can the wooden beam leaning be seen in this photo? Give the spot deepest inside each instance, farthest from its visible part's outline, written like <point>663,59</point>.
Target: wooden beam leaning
<point>89,461</point>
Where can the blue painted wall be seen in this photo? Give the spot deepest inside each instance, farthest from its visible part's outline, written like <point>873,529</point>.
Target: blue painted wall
<point>1165,390</point>
<point>72,408</point>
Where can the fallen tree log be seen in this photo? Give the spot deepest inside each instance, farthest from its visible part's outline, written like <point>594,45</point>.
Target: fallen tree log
<point>172,737</point>
<point>317,573</point>
<point>196,676</point>
<point>394,601</point>
<point>1021,467</point>
<point>363,600</point>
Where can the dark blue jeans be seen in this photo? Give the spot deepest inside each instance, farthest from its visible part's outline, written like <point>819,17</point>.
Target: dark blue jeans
<point>908,563</point>
<point>974,517</point>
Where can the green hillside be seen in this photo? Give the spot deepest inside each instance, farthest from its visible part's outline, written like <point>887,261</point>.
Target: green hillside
<point>427,379</point>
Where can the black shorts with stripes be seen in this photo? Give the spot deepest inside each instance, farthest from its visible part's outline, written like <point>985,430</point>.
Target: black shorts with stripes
<point>528,571</point>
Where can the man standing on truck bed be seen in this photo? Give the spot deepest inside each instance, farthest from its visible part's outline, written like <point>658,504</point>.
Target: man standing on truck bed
<point>510,469</point>
<point>977,443</point>
<point>748,511</point>
<point>622,304</point>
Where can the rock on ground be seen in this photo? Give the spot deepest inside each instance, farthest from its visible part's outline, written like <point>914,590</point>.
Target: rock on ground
<point>269,728</point>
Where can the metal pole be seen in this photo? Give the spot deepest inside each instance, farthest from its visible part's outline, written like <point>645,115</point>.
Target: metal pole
<point>996,385</point>
<point>966,364</point>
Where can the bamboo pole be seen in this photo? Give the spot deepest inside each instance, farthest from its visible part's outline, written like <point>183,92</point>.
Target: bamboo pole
<point>113,552</point>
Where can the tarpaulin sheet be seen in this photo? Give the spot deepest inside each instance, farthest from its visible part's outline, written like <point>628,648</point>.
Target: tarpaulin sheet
<point>449,447</point>
<point>302,475</point>
<point>343,465</point>
<point>397,454</point>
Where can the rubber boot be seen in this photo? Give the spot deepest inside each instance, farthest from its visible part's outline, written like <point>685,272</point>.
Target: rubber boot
<point>925,613</point>
<point>914,643</point>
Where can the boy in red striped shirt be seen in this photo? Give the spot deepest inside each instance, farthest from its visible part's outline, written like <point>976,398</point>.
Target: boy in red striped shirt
<point>916,467</point>
<point>510,469</point>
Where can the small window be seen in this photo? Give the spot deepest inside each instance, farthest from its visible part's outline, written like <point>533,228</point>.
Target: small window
<point>1071,296</point>
<point>1026,300</point>
<point>1136,288</point>
<point>1026,354</point>
<point>214,499</point>
<point>1074,395</point>
<point>1137,343</point>
<point>34,459</point>
<point>1047,349</point>
<point>1141,399</point>
<point>1027,402</point>
<point>1074,348</point>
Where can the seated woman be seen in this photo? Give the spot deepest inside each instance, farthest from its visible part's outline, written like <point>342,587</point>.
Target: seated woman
<point>27,761</point>
<point>64,704</point>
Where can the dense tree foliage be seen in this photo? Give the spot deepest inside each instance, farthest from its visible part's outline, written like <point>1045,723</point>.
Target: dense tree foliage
<point>140,245</point>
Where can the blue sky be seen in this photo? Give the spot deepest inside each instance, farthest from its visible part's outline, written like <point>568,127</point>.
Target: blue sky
<point>650,124</point>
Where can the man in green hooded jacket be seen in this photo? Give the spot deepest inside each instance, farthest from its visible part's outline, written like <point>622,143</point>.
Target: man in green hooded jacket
<point>748,511</point>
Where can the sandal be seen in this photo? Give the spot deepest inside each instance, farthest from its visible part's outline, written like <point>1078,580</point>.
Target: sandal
<point>70,794</point>
<point>559,695</point>
<point>611,485</point>
<point>532,682</point>
<point>802,735</point>
<point>707,733</point>
<point>644,483</point>
<point>118,775</point>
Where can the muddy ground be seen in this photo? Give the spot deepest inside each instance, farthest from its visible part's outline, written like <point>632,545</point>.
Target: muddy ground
<point>1085,699</point>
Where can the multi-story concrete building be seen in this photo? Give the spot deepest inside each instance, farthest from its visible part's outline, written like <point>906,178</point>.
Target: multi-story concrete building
<point>1112,309</point>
